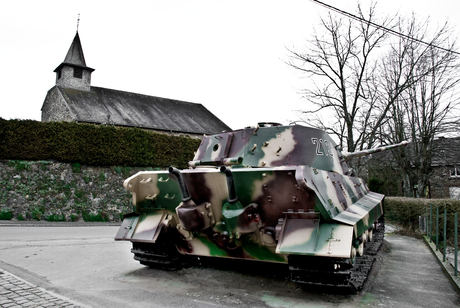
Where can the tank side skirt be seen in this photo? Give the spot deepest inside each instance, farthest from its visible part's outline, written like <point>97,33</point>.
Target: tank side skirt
<point>361,214</point>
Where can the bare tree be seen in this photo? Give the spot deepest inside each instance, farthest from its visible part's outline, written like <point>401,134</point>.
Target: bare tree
<point>423,110</point>
<point>340,66</point>
<point>376,86</point>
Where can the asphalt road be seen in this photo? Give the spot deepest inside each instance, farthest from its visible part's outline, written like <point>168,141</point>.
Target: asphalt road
<point>86,265</point>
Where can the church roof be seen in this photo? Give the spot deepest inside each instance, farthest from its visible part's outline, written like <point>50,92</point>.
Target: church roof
<point>75,56</point>
<point>107,106</point>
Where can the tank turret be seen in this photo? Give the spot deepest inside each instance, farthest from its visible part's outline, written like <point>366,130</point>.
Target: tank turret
<point>270,193</point>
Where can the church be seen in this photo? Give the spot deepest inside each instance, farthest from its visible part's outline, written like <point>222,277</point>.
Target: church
<point>74,99</point>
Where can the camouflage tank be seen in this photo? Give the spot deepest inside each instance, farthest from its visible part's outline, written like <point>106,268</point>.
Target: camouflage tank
<point>269,193</point>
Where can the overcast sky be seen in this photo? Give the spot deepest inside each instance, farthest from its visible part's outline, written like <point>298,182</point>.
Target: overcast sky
<point>226,55</point>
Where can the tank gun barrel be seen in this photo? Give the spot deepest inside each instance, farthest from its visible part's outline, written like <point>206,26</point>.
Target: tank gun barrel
<point>351,155</point>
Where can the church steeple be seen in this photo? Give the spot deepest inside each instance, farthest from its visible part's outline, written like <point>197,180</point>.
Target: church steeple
<point>73,72</point>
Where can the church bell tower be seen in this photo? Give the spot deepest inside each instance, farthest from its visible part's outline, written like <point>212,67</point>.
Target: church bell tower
<point>73,72</point>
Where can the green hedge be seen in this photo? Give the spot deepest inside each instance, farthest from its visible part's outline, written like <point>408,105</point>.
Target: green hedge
<point>406,211</point>
<point>96,145</point>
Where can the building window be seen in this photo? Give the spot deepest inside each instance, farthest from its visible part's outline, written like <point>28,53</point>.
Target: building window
<point>455,172</point>
<point>77,72</point>
<point>454,193</point>
<point>59,74</point>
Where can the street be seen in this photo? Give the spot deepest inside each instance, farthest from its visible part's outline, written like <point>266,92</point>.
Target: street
<point>86,265</point>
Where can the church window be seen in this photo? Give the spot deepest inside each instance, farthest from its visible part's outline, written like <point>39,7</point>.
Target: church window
<point>59,74</point>
<point>77,72</point>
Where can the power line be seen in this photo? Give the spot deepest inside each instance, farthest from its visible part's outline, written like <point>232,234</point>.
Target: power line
<point>352,16</point>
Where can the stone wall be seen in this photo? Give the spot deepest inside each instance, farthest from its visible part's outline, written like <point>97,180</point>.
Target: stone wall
<point>54,191</point>
<point>54,107</point>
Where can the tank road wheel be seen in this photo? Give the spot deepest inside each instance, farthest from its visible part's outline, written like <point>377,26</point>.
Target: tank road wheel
<point>365,237</point>
<point>352,256</point>
<point>361,249</point>
<point>370,235</point>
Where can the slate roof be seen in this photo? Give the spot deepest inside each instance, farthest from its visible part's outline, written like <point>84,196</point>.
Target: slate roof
<point>107,106</point>
<point>447,152</point>
<point>75,56</point>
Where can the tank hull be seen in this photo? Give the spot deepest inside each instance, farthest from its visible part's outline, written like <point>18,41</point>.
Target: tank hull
<point>291,216</point>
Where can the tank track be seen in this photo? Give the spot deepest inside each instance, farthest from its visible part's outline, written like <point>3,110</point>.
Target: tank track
<point>342,276</point>
<point>335,273</point>
<point>161,255</point>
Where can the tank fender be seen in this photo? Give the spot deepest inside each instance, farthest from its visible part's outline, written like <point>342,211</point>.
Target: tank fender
<point>144,227</point>
<point>301,233</point>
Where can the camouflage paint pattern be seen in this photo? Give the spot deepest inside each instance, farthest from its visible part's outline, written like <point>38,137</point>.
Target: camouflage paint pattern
<point>286,190</point>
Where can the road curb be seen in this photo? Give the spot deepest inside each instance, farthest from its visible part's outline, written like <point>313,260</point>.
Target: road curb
<point>41,223</point>
<point>17,292</point>
<point>445,265</point>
